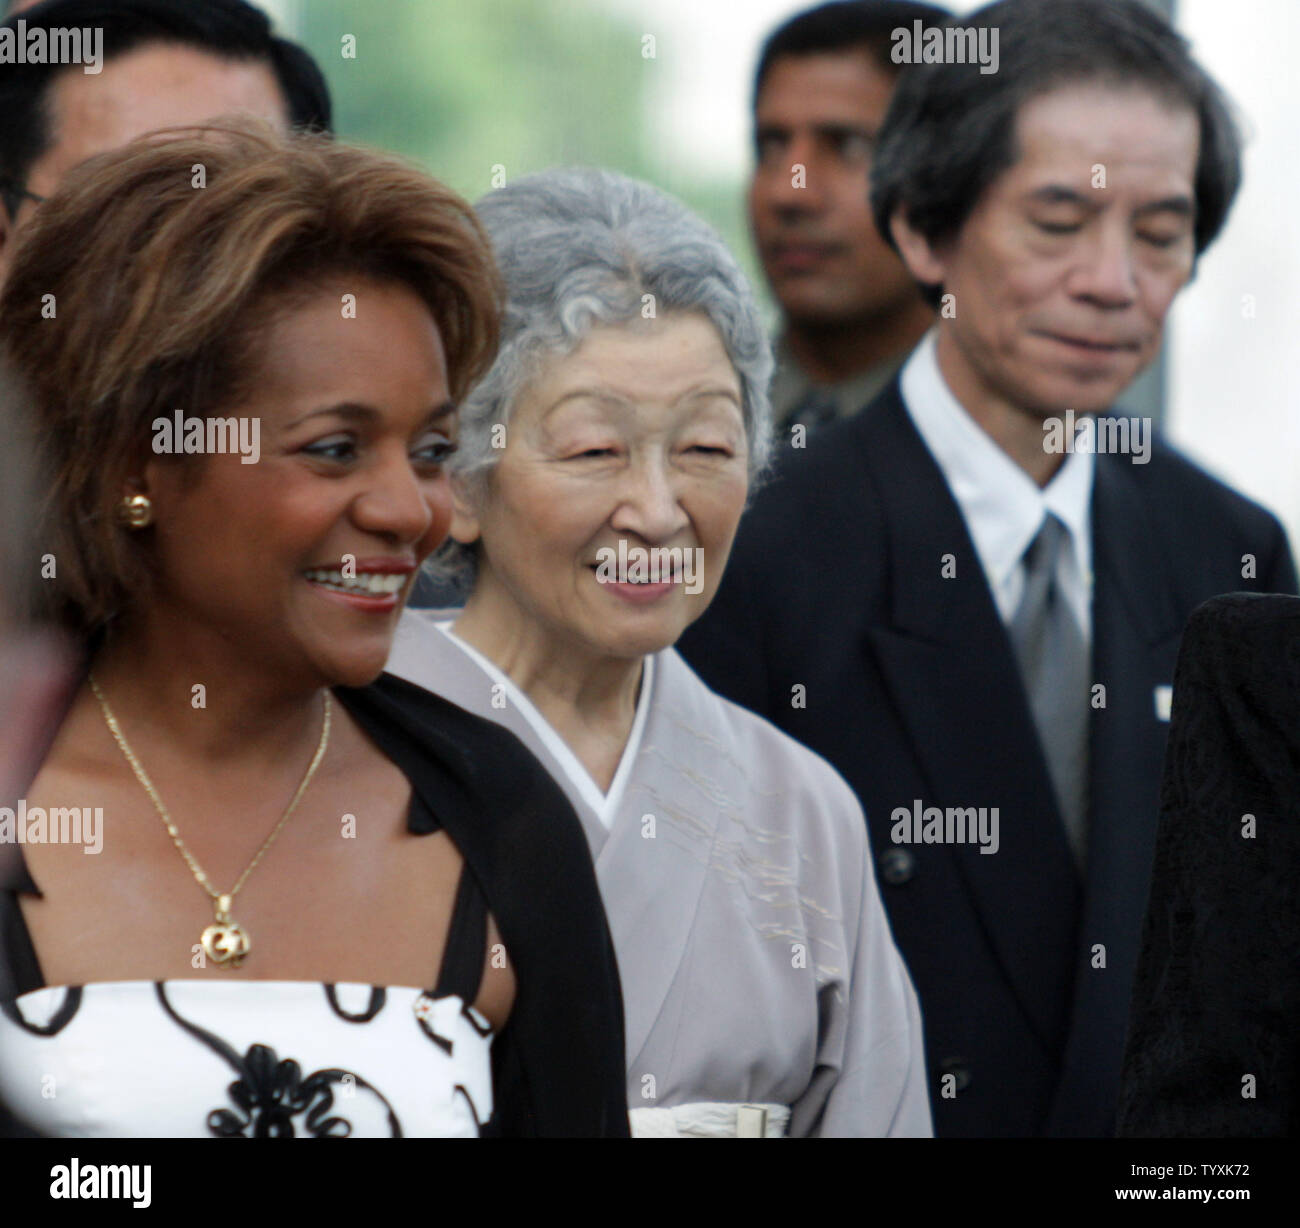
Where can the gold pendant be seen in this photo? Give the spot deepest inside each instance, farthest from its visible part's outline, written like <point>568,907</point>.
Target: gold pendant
<point>226,942</point>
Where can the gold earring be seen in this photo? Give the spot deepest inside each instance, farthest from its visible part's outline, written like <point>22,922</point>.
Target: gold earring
<point>135,511</point>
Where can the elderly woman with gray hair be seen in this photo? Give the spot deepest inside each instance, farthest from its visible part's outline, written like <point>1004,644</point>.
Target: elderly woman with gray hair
<point>604,462</point>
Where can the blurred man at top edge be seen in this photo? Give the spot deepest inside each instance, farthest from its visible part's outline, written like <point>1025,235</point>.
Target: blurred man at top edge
<point>850,311</point>
<point>165,63</point>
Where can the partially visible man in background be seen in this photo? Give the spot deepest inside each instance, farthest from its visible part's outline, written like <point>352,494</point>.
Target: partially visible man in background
<point>34,668</point>
<point>37,668</point>
<point>850,311</point>
<point>166,63</point>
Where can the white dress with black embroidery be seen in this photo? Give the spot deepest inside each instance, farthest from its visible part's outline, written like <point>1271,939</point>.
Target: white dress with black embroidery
<point>203,1059</point>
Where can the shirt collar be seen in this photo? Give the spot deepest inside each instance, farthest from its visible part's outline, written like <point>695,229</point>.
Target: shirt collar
<point>790,386</point>
<point>1002,505</point>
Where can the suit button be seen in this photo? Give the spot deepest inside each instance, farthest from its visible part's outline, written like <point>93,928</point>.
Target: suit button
<point>956,1066</point>
<point>897,866</point>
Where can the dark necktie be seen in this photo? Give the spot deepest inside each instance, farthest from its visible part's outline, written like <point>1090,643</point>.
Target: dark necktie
<point>1054,665</point>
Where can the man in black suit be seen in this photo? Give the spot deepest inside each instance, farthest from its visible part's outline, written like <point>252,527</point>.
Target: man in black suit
<point>968,598</point>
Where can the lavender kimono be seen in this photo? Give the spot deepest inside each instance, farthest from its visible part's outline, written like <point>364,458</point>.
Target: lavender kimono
<point>757,963</point>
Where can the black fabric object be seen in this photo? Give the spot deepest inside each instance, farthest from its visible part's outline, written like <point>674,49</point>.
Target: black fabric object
<point>462,958</point>
<point>1217,992</point>
<point>839,620</point>
<point>558,1064</point>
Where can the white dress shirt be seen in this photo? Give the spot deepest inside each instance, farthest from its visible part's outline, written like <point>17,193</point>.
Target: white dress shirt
<point>1002,505</point>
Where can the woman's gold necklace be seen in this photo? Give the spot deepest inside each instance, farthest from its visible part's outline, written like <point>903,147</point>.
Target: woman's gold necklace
<point>225,941</point>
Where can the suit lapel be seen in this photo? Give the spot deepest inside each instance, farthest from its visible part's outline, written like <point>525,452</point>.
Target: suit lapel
<point>952,676</point>
<point>1136,629</point>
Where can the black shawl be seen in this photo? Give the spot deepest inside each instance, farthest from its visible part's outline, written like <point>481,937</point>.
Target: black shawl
<point>558,1064</point>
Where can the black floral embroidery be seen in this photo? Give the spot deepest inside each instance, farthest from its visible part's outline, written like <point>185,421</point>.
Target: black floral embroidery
<point>271,1092</point>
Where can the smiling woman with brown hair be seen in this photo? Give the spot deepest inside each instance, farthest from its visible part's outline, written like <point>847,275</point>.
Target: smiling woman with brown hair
<point>292,846</point>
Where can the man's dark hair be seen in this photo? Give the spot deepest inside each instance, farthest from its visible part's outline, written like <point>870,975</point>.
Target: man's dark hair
<point>844,25</point>
<point>228,29</point>
<point>950,130</point>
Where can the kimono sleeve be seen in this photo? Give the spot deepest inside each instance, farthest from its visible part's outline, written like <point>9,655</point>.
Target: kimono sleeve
<point>871,1074</point>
